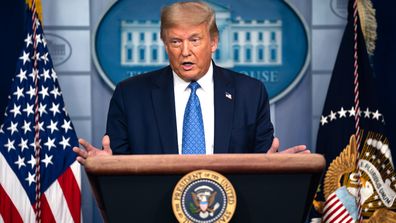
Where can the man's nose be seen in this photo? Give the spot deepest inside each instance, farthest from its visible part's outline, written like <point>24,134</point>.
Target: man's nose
<point>186,49</point>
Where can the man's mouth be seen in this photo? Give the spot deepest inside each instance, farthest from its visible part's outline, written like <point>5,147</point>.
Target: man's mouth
<point>187,65</point>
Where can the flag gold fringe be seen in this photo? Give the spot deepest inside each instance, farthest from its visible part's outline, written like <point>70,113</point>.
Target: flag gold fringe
<point>368,23</point>
<point>39,8</point>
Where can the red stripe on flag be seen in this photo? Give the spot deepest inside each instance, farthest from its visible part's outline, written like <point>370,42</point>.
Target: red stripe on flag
<point>8,211</point>
<point>340,205</point>
<point>72,193</point>
<point>345,217</point>
<point>328,206</point>
<point>328,201</point>
<point>46,212</point>
<point>340,214</point>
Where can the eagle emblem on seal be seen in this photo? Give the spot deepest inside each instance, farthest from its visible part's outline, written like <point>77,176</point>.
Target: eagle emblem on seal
<point>204,201</point>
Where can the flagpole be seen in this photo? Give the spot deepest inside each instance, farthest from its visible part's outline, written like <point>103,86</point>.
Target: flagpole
<point>357,104</point>
<point>37,148</point>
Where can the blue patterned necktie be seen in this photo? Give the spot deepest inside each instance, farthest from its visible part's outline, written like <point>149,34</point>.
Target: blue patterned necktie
<point>193,130</point>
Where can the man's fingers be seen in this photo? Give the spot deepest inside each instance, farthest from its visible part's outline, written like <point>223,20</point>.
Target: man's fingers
<point>275,146</point>
<point>106,144</point>
<point>80,152</point>
<point>81,160</point>
<point>297,149</point>
<point>91,151</point>
<point>301,149</point>
<point>86,144</point>
<point>81,155</point>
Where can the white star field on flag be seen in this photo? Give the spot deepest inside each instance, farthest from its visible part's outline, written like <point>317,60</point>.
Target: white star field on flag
<point>342,113</point>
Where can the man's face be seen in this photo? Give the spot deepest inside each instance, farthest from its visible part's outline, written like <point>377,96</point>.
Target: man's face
<point>190,50</point>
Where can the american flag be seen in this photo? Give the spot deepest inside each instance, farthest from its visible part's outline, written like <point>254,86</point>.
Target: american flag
<point>336,211</point>
<point>59,180</point>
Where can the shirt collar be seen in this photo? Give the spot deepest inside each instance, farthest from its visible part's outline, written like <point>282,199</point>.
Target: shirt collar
<point>206,81</point>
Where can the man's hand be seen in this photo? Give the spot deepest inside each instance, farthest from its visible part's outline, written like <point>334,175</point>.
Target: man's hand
<point>91,151</point>
<point>295,149</point>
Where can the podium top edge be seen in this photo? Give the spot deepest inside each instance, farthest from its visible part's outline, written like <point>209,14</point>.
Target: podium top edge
<point>223,163</point>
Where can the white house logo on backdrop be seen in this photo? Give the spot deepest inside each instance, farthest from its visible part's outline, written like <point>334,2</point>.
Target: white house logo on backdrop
<point>263,39</point>
<point>59,47</point>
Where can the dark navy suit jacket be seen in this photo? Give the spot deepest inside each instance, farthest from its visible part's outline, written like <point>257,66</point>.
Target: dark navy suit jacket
<point>142,117</point>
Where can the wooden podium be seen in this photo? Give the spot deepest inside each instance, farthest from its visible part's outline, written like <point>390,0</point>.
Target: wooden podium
<point>269,187</point>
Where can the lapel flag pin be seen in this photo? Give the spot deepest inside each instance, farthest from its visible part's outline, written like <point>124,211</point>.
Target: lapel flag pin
<point>228,95</point>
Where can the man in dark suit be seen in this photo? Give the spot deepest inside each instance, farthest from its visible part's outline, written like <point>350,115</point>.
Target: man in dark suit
<point>150,113</point>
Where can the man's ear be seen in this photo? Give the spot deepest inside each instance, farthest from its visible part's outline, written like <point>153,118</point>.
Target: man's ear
<point>214,43</point>
<point>166,48</point>
<point>163,38</point>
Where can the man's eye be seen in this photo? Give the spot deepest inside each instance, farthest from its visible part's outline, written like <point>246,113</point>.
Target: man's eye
<point>175,42</point>
<point>195,41</point>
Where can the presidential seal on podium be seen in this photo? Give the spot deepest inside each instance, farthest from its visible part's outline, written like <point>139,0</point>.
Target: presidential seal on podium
<point>204,196</point>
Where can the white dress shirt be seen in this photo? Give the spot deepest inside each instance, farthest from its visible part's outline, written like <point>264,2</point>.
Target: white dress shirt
<point>206,99</point>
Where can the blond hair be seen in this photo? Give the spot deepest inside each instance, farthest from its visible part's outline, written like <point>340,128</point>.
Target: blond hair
<point>188,13</point>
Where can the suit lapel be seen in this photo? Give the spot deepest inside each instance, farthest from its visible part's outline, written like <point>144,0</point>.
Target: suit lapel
<point>224,109</point>
<point>164,109</point>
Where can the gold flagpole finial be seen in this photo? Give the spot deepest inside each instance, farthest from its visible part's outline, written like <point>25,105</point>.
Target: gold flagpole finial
<point>39,8</point>
<point>368,23</point>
